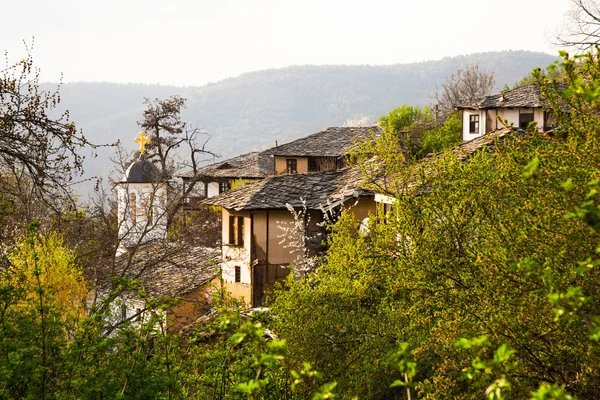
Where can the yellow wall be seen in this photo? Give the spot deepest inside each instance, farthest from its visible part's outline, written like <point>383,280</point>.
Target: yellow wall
<point>278,254</point>
<point>361,208</point>
<point>191,307</point>
<point>281,165</point>
<point>239,291</point>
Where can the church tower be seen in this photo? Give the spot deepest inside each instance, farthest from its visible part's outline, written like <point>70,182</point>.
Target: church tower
<point>142,202</point>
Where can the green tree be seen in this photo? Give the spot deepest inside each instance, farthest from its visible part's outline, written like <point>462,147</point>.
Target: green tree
<point>469,249</point>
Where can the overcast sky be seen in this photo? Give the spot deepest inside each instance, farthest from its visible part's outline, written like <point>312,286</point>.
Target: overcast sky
<point>187,42</point>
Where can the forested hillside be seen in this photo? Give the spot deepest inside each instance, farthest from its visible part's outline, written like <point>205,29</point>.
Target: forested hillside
<point>253,110</point>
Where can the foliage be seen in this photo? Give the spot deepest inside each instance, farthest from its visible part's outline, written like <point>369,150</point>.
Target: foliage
<point>472,249</point>
<point>34,146</point>
<point>446,136</point>
<point>45,261</point>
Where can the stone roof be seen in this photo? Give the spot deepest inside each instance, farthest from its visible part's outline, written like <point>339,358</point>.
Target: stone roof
<point>525,96</point>
<point>312,190</point>
<point>166,269</point>
<point>333,141</point>
<point>321,188</point>
<point>250,165</point>
<point>142,171</point>
<point>466,149</point>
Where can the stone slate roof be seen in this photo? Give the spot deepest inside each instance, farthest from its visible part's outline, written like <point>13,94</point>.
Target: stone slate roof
<point>142,171</point>
<point>333,141</point>
<point>466,149</point>
<point>316,189</point>
<point>524,96</point>
<point>166,269</point>
<point>250,165</point>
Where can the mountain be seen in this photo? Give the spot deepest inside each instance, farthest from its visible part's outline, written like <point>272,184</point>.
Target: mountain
<point>253,110</point>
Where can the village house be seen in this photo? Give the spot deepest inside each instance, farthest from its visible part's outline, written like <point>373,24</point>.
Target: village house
<point>223,176</point>
<point>322,151</point>
<point>273,223</point>
<point>518,107</point>
<point>313,179</point>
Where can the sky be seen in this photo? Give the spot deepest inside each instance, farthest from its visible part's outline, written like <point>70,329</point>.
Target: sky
<point>194,42</point>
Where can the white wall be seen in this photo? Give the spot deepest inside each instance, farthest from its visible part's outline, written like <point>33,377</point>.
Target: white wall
<point>511,115</point>
<point>213,189</point>
<point>466,125</point>
<point>146,195</point>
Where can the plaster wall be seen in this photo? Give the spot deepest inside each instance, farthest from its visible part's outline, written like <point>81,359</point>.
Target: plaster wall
<point>212,189</point>
<point>149,206</point>
<point>279,219</point>
<point>281,164</point>
<point>236,255</point>
<point>466,124</point>
<point>362,207</point>
<point>239,291</point>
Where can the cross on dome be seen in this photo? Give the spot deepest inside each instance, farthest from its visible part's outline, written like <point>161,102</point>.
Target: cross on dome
<point>142,140</point>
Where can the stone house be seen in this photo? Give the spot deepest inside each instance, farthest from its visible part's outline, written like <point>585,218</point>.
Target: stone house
<point>518,107</point>
<point>322,151</point>
<point>221,177</point>
<point>260,220</point>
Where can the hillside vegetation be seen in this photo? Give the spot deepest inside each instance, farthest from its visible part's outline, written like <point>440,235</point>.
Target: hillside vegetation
<point>252,111</point>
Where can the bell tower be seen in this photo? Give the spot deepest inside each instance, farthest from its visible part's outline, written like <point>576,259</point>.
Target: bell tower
<point>142,201</point>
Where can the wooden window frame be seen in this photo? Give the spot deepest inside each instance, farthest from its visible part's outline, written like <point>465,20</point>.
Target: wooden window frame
<point>236,230</point>
<point>474,123</point>
<point>522,123</point>
<point>224,187</point>
<point>291,165</point>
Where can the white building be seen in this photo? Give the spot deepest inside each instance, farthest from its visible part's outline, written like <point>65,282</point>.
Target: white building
<point>518,107</point>
<point>142,204</point>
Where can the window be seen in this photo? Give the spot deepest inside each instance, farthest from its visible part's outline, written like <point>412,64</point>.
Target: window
<point>473,123</point>
<point>313,165</point>
<point>238,273</point>
<point>224,187</point>
<point>236,230</point>
<point>292,165</point>
<point>147,209</point>
<point>133,208</point>
<point>524,120</point>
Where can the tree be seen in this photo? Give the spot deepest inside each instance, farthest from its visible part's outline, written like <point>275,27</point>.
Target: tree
<point>408,123</point>
<point>35,147</point>
<point>465,86</point>
<point>174,145</point>
<point>487,269</point>
<point>581,30</point>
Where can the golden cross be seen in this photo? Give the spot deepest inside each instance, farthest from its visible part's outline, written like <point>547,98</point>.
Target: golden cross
<point>142,140</point>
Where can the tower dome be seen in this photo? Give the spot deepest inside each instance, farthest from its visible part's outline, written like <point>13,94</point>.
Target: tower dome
<point>141,171</point>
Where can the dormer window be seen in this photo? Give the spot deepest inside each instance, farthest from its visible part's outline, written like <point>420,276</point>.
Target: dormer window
<point>224,187</point>
<point>291,165</point>
<point>474,123</point>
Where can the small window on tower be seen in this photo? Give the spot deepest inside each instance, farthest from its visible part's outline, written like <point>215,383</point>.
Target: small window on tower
<point>133,207</point>
<point>473,123</point>
<point>238,273</point>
